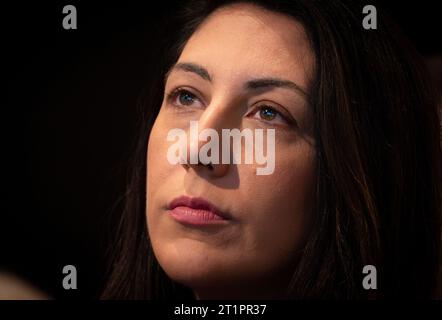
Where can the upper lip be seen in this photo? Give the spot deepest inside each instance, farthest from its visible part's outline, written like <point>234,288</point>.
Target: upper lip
<point>197,203</point>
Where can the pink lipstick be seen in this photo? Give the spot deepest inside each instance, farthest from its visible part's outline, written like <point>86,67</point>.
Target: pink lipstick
<point>196,211</point>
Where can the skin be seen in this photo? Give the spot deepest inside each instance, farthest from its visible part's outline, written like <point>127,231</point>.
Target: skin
<point>252,256</point>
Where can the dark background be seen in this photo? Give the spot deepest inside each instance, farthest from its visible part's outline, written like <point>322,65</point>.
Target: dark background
<point>68,124</point>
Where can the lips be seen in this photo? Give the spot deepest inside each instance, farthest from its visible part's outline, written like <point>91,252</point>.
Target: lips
<point>197,211</point>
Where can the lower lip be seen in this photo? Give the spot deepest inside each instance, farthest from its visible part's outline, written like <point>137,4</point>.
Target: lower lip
<point>196,217</point>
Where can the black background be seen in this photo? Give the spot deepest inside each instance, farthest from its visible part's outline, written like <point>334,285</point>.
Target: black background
<point>68,123</point>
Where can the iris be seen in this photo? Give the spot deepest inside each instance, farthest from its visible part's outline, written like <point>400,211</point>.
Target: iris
<point>186,98</point>
<point>267,113</point>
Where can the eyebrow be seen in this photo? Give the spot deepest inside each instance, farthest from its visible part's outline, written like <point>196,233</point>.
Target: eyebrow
<point>254,84</point>
<point>191,67</point>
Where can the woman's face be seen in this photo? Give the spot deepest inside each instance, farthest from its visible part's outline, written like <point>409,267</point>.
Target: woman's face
<point>250,254</point>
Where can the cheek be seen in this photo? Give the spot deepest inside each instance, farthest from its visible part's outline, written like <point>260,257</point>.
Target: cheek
<point>157,165</point>
<point>282,203</point>
<point>154,162</point>
<point>158,169</point>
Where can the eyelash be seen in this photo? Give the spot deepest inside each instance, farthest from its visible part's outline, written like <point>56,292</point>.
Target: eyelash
<point>174,94</point>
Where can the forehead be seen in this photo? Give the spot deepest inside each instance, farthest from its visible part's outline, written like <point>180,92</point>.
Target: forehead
<point>244,40</point>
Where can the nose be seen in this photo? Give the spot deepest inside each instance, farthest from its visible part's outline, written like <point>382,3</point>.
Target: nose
<point>204,150</point>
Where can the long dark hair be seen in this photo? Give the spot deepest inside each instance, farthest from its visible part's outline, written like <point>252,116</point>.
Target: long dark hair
<point>378,188</point>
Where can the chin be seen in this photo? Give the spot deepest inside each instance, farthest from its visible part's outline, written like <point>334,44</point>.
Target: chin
<point>193,268</point>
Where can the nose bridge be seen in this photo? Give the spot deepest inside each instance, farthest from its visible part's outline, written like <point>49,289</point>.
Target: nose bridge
<point>224,112</point>
<point>220,114</point>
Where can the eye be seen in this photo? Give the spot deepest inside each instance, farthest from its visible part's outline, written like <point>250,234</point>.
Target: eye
<point>269,114</point>
<point>182,97</point>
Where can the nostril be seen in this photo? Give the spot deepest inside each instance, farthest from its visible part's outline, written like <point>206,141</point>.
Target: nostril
<point>209,165</point>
